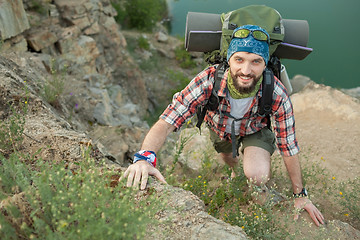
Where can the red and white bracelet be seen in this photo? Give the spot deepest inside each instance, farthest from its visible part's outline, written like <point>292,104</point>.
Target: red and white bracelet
<point>148,156</point>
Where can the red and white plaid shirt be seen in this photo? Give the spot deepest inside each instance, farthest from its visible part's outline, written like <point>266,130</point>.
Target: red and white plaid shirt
<point>198,91</point>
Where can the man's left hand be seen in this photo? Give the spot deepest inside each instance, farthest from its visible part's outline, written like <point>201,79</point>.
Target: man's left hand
<point>305,203</point>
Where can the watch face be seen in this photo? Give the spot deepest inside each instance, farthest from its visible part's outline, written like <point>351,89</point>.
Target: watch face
<point>305,192</point>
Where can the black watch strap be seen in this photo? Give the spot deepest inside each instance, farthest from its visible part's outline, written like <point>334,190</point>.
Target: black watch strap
<point>303,193</point>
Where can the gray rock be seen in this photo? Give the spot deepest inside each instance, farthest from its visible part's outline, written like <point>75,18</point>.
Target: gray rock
<point>13,19</point>
<point>161,37</point>
<point>354,92</point>
<point>213,228</point>
<point>298,83</point>
<point>184,217</point>
<point>41,38</point>
<point>192,157</point>
<point>103,111</point>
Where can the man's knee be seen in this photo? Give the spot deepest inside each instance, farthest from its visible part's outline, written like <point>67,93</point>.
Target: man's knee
<point>257,165</point>
<point>257,177</point>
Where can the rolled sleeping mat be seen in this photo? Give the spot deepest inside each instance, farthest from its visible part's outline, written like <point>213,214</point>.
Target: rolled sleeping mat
<point>203,34</point>
<point>294,45</point>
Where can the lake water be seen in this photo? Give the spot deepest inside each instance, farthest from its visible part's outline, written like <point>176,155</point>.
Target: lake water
<point>334,34</point>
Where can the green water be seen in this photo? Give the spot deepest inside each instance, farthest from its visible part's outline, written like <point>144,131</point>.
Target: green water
<point>334,34</point>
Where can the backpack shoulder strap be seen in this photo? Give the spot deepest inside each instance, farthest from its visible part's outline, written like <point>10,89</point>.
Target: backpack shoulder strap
<point>213,102</point>
<point>265,102</point>
<point>218,76</point>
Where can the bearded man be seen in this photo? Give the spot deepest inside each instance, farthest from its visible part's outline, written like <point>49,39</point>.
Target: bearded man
<point>236,123</point>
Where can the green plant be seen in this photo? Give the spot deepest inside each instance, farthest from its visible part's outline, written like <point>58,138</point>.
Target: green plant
<point>143,43</point>
<point>199,186</point>
<point>230,200</point>
<point>65,203</point>
<point>152,64</point>
<point>169,171</point>
<point>147,65</point>
<point>12,128</point>
<point>39,6</point>
<point>179,79</point>
<point>1,43</point>
<point>347,194</point>
<point>140,14</point>
<point>54,87</point>
<point>118,5</point>
<point>49,200</point>
<point>259,222</point>
<point>184,58</point>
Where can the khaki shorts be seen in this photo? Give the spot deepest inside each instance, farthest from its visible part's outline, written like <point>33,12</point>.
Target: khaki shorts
<point>264,139</point>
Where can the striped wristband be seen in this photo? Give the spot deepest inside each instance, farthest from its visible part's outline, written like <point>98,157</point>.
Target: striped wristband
<point>148,156</point>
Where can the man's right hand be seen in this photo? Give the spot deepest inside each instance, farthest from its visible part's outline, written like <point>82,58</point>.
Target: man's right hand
<point>140,171</point>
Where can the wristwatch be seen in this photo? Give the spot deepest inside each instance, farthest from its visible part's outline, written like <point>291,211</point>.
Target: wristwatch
<point>303,193</point>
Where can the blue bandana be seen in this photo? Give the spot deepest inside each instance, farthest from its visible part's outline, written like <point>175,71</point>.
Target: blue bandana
<point>249,44</point>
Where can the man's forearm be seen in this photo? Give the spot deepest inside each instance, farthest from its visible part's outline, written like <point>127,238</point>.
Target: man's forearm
<point>157,136</point>
<point>293,167</point>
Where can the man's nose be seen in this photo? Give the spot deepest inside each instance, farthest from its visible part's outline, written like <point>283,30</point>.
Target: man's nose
<point>246,69</point>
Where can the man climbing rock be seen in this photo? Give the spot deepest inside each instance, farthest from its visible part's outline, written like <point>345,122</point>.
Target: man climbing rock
<point>236,122</point>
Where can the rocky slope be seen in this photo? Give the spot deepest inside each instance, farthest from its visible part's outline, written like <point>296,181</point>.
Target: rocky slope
<point>106,93</point>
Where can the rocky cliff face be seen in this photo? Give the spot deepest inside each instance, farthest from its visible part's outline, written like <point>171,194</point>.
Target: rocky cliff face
<point>78,43</point>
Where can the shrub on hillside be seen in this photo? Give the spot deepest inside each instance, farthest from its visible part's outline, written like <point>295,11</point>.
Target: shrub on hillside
<point>139,14</point>
<point>50,200</point>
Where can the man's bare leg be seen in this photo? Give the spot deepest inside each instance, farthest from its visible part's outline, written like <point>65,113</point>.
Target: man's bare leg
<point>232,162</point>
<point>257,164</point>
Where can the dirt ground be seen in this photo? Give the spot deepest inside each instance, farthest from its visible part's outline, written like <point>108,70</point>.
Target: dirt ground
<point>328,129</point>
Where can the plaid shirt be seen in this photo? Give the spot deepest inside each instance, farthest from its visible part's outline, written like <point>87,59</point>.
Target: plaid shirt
<point>198,91</point>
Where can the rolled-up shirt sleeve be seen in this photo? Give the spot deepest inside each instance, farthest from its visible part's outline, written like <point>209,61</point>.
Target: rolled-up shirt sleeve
<point>184,103</point>
<point>284,126</point>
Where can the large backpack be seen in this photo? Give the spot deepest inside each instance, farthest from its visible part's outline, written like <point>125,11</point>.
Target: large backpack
<point>265,17</point>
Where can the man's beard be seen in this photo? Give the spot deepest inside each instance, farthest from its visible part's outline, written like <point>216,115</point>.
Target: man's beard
<point>248,89</point>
